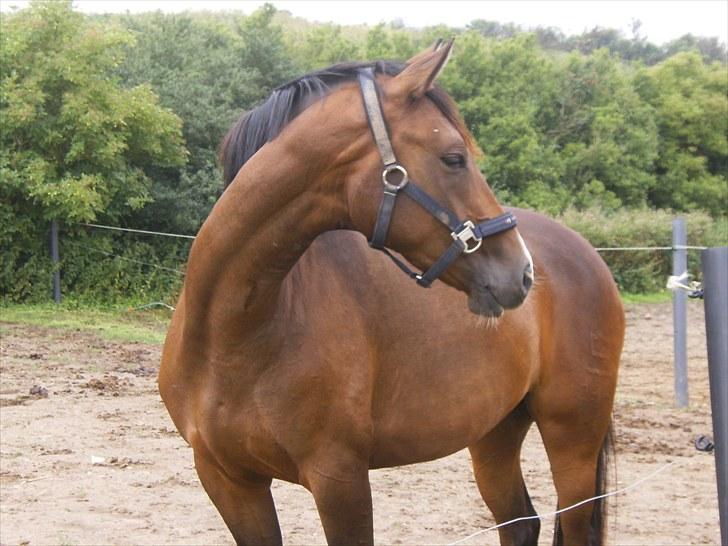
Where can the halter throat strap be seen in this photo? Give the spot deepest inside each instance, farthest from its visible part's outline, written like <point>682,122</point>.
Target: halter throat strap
<point>467,236</point>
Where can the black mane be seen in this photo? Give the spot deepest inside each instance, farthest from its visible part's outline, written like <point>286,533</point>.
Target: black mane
<point>265,122</point>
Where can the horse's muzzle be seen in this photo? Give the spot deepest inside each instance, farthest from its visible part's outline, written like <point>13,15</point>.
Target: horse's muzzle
<point>492,301</point>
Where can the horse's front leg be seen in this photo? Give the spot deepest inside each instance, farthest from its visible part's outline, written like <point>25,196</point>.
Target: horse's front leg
<point>339,482</point>
<point>246,505</point>
<point>497,467</point>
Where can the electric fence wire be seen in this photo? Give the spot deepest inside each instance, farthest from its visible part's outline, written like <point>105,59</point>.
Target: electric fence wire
<point>676,247</point>
<point>142,231</point>
<point>112,255</point>
<point>598,249</point>
<point>580,503</point>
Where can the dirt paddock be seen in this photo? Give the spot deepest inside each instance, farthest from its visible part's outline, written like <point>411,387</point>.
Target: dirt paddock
<point>91,456</point>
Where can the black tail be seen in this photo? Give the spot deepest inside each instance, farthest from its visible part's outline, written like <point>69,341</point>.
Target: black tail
<point>598,527</point>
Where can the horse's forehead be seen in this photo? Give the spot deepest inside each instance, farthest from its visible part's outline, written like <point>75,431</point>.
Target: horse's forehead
<point>427,121</point>
<point>420,119</point>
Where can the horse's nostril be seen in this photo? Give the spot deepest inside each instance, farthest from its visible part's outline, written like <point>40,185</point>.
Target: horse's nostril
<point>528,277</point>
<point>527,281</point>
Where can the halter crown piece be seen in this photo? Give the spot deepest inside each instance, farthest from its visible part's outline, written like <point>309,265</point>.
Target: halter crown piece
<point>467,236</point>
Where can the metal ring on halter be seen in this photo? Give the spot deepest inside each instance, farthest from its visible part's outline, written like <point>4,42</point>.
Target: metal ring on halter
<point>467,233</point>
<point>385,177</point>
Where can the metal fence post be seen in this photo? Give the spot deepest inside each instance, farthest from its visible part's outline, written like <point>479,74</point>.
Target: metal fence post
<point>679,312</point>
<point>55,259</point>
<point>715,298</point>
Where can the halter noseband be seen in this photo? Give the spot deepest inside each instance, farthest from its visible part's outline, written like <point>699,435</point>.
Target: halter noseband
<point>467,236</point>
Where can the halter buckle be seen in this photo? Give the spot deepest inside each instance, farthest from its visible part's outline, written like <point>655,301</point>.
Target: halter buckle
<point>466,235</point>
<point>388,185</point>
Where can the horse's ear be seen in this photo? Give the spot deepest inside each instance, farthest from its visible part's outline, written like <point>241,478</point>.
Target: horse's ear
<point>434,47</point>
<point>419,75</point>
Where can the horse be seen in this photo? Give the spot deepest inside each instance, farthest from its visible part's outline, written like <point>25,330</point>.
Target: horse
<point>297,352</point>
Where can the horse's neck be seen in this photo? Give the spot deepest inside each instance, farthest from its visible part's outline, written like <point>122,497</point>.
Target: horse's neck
<point>256,232</point>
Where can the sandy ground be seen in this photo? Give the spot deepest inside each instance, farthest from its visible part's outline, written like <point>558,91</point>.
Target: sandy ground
<point>102,404</point>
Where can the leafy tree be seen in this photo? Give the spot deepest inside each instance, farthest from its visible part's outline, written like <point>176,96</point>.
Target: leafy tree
<point>325,45</point>
<point>208,70</point>
<point>710,48</point>
<point>691,103</point>
<point>264,52</point>
<point>494,29</point>
<point>550,38</point>
<point>606,134</point>
<point>635,48</point>
<point>74,143</point>
<point>394,44</point>
<point>556,132</point>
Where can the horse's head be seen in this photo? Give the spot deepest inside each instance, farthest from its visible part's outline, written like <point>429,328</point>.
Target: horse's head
<point>434,151</point>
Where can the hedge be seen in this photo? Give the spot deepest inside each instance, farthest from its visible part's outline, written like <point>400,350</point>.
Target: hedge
<point>107,268</point>
<point>642,271</point>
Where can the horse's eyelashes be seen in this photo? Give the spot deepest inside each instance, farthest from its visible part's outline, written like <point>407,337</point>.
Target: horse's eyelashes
<point>454,160</point>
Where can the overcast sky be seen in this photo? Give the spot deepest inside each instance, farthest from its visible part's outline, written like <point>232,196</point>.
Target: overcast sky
<point>662,20</point>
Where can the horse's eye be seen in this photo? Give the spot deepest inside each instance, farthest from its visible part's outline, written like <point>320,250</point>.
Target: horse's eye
<point>454,161</point>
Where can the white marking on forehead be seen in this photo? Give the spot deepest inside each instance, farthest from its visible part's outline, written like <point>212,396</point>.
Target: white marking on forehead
<point>436,130</point>
<point>527,253</point>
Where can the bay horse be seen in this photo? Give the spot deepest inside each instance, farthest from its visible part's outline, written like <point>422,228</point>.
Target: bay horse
<point>297,352</point>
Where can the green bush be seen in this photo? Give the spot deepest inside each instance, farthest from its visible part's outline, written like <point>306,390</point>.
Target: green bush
<point>640,271</point>
<point>96,267</point>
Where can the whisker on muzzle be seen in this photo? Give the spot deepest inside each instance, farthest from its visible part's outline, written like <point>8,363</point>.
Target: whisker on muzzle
<point>490,323</point>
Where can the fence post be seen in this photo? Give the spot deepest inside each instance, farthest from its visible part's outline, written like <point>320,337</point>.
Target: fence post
<point>55,259</point>
<point>715,298</point>
<point>679,312</point>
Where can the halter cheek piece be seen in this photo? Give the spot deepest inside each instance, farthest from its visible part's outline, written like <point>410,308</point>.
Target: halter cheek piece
<point>467,236</point>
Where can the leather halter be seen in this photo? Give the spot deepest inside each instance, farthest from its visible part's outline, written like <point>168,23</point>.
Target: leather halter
<point>467,236</point>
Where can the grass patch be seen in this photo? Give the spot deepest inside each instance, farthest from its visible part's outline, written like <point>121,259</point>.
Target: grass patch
<point>114,323</point>
<point>663,296</point>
